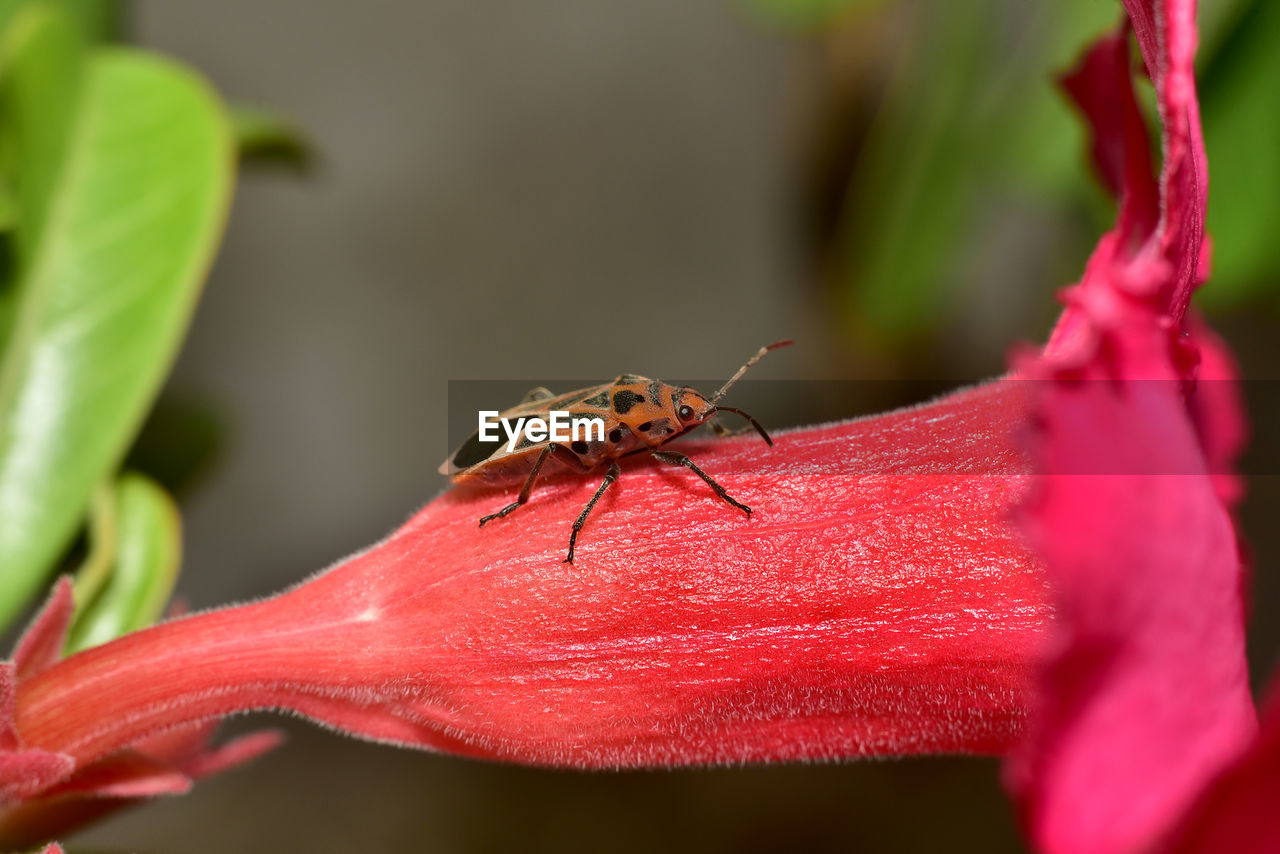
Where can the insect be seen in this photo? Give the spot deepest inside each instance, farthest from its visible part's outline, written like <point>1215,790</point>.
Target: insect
<point>639,414</point>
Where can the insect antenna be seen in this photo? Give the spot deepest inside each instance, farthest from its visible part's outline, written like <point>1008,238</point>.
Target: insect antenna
<point>733,379</point>
<point>754,423</point>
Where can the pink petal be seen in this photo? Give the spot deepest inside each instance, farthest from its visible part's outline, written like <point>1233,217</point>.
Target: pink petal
<point>50,805</point>
<point>1146,695</point>
<point>8,699</point>
<point>179,743</point>
<point>24,773</point>
<point>1102,88</point>
<point>125,774</point>
<point>1166,32</point>
<point>41,644</point>
<point>1217,410</point>
<point>1237,812</point>
<point>877,602</point>
<point>238,751</point>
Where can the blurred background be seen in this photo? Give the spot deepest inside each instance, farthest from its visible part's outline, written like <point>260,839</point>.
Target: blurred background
<point>578,189</point>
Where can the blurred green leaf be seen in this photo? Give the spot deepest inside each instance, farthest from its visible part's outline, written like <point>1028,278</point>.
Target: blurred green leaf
<point>115,237</point>
<point>100,550</point>
<point>41,62</point>
<point>971,113</point>
<point>1242,135</point>
<point>1217,21</point>
<point>137,535</point>
<point>98,20</point>
<point>8,207</point>
<point>9,8</point>
<point>804,14</point>
<point>263,136</point>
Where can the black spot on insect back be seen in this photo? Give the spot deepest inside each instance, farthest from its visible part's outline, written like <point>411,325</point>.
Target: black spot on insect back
<point>474,451</point>
<point>624,400</point>
<point>615,435</point>
<point>579,447</point>
<point>644,428</point>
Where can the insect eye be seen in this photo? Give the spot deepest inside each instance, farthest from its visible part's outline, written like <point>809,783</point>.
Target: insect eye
<point>685,412</point>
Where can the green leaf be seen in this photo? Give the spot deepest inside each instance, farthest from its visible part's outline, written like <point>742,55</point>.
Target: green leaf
<point>8,207</point>
<point>100,556</point>
<point>98,20</point>
<point>41,63</point>
<point>263,136</point>
<point>95,20</point>
<point>1242,135</point>
<point>971,113</point>
<point>137,536</point>
<point>118,234</point>
<point>1218,20</point>
<point>8,9</point>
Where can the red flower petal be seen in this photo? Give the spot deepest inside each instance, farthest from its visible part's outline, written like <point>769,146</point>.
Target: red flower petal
<point>1101,86</point>
<point>125,774</point>
<point>1166,32</point>
<point>25,773</point>
<point>54,806</point>
<point>1237,813</point>
<point>1218,411</point>
<point>8,700</point>
<point>877,602</point>
<point>46,793</point>
<point>187,748</point>
<point>41,644</point>
<point>1146,696</point>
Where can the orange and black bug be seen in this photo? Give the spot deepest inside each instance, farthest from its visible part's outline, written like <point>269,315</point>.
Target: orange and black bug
<point>639,414</point>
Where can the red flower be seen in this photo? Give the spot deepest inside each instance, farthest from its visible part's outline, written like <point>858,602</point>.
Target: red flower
<point>46,792</point>
<point>1145,696</point>
<point>879,601</point>
<point>881,610</point>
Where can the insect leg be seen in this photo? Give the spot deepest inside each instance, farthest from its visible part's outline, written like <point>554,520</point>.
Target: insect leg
<point>524,490</point>
<point>675,459</point>
<point>609,477</point>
